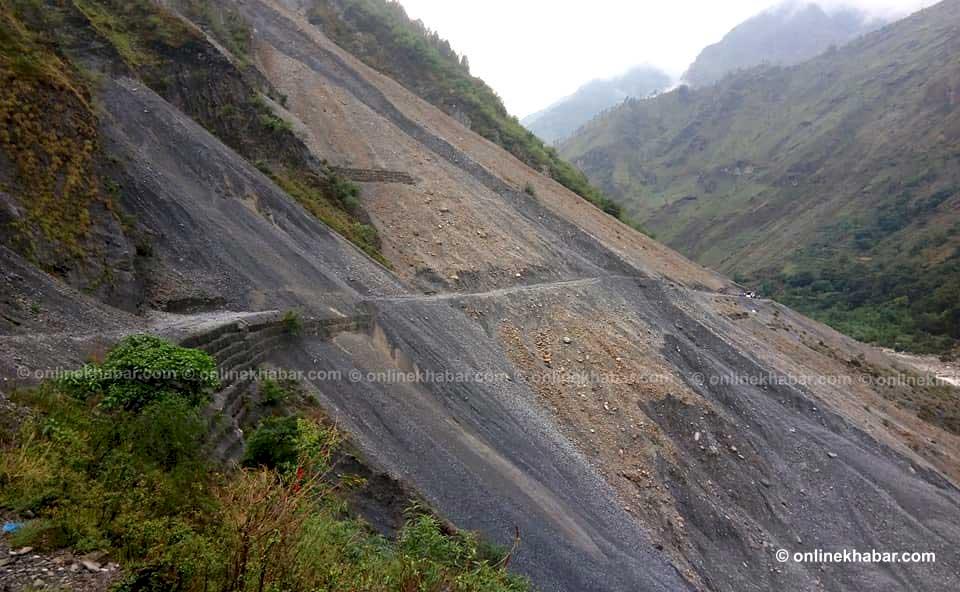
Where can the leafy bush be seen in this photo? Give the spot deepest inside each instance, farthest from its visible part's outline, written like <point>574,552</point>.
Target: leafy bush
<point>272,393</point>
<point>143,369</point>
<point>274,444</point>
<point>292,323</point>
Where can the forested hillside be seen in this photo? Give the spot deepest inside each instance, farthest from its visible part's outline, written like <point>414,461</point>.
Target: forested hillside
<point>833,185</point>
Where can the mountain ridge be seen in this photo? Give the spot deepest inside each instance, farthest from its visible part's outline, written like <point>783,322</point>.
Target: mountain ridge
<point>562,118</point>
<point>786,34</point>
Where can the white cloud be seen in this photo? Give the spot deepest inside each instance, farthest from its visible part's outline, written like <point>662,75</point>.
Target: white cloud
<point>533,52</point>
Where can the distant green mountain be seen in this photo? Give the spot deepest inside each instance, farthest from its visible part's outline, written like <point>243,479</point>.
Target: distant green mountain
<point>785,35</point>
<point>560,120</point>
<point>834,185</point>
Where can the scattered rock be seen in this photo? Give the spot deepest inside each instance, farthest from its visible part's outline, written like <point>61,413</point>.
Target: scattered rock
<point>90,565</point>
<point>832,454</point>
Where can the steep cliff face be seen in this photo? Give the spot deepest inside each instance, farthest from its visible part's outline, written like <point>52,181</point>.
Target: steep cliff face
<point>831,185</point>
<point>642,424</point>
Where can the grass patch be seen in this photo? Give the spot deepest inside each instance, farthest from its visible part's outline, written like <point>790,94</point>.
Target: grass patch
<point>136,29</point>
<point>331,200</point>
<point>223,23</point>
<point>48,131</point>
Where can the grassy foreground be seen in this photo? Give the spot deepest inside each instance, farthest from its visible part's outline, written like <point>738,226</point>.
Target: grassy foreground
<point>113,459</point>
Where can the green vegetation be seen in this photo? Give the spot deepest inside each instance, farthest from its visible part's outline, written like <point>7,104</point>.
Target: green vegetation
<point>274,444</point>
<point>275,394</point>
<point>911,308</point>
<point>840,199</point>
<point>333,201</point>
<point>380,33</point>
<point>292,323</point>
<point>136,29</point>
<point>141,370</point>
<point>134,483</point>
<point>49,129</point>
<point>222,22</point>
<point>48,132</point>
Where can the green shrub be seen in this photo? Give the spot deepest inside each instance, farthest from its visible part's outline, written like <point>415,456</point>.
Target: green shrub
<point>272,393</point>
<point>292,323</point>
<point>143,369</point>
<point>274,444</point>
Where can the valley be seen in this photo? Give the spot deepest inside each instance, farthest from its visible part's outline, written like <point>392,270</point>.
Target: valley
<point>829,185</point>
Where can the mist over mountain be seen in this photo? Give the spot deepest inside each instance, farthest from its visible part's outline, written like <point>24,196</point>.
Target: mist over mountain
<point>784,35</point>
<point>561,119</point>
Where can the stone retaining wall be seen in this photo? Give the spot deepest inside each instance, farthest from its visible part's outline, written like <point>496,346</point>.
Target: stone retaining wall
<point>375,175</point>
<point>239,347</point>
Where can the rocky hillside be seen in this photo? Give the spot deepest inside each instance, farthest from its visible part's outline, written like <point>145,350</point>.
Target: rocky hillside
<point>560,120</point>
<point>833,185</point>
<point>792,32</point>
<point>610,415</point>
<point>380,33</point>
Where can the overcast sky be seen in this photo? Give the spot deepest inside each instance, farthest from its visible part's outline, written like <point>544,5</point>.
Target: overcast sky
<point>533,52</point>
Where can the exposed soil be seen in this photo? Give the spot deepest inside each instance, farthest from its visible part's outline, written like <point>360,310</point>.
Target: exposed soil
<point>948,372</point>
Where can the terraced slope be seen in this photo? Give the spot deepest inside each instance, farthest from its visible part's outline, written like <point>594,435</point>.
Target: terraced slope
<point>576,379</point>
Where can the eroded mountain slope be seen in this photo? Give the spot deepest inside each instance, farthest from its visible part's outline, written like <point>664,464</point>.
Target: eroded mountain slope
<point>465,179</point>
<point>600,424</point>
